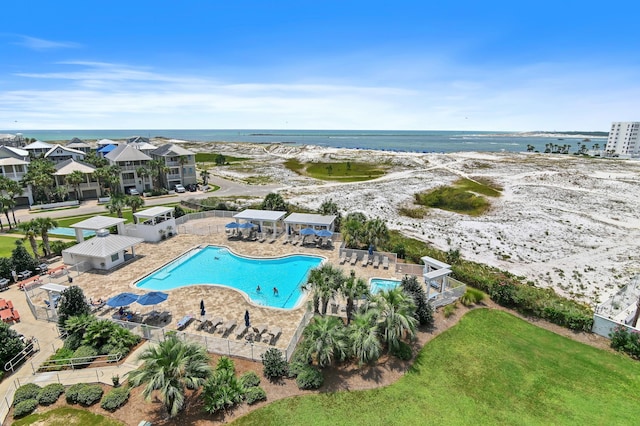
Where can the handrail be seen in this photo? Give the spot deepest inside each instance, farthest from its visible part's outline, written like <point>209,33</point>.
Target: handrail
<point>74,362</point>
<point>24,354</point>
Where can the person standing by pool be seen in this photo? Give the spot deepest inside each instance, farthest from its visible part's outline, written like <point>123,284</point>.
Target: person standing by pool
<point>275,291</point>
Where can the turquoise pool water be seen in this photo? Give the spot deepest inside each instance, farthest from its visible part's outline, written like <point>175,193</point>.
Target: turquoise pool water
<point>377,285</point>
<point>70,232</point>
<point>217,265</point>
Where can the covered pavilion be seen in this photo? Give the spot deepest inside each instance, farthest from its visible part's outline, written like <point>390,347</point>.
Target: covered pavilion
<point>436,274</point>
<point>261,216</point>
<point>97,223</point>
<point>103,252</point>
<point>153,224</point>
<point>315,221</point>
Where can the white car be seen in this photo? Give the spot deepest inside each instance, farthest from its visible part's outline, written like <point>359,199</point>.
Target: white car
<point>133,191</point>
<point>180,188</point>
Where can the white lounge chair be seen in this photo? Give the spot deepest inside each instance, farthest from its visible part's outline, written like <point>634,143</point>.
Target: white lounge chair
<point>376,261</point>
<point>275,333</point>
<point>260,328</point>
<point>241,332</point>
<point>226,328</point>
<point>365,259</point>
<point>343,257</point>
<point>354,259</point>
<point>385,262</point>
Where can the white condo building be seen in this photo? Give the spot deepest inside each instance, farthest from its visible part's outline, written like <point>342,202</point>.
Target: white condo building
<point>624,139</point>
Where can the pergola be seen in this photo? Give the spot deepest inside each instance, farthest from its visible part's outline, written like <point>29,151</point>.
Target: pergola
<point>311,220</point>
<point>97,223</point>
<point>52,289</point>
<point>261,216</point>
<point>154,215</point>
<point>435,274</point>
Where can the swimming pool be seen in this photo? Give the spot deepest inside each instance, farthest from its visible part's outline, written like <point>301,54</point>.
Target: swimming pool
<point>218,265</point>
<point>70,232</point>
<point>379,284</point>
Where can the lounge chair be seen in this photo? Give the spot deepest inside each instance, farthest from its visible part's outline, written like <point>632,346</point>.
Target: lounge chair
<point>226,328</point>
<point>365,259</point>
<point>343,257</point>
<point>354,259</point>
<point>260,328</point>
<point>240,332</point>
<point>16,315</point>
<point>275,333</point>
<point>385,262</point>
<point>184,321</point>
<point>214,323</point>
<point>376,261</point>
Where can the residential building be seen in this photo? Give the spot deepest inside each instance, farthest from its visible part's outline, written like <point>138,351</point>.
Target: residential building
<point>90,188</point>
<point>130,160</point>
<point>8,139</point>
<point>79,145</point>
<point>181,163</point>
<point>624,139</point>
<point>13,165</point>
<point>59,153</point>
<point>38,148</point>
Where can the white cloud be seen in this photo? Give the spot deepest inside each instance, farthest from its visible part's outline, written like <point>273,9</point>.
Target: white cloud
<point>42,44</point>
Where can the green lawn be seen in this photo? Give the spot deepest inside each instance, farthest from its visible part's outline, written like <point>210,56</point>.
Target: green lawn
<point>349,171</point>
<point>8,243</point>
<point>491,368</point>
<point>67,416</point>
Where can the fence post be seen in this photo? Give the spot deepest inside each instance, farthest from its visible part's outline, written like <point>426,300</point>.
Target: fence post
<point>58,376</point>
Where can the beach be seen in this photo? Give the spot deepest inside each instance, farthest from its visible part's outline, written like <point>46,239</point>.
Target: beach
<point>563,221</point>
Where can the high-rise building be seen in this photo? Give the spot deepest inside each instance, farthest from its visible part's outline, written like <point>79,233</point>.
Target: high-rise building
<point>624,139</point>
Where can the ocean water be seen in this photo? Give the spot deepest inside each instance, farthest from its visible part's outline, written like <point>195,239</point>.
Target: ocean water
<point>390,140</point>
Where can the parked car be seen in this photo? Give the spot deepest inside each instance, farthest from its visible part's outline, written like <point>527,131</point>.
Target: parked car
<point>179,188</point>
<point>133,191</point>
<point>192,188</point>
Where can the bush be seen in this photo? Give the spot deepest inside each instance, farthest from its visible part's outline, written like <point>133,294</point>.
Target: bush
<point>625,340</point>
<point>309,378</point>
<point>249,379</point>
<point>73,342</point>
<point>71,394</point>
<point>450,310</point>
<point>296,368</point>
<point>275,366</point>
<point>115,398</point>
<point>472,296</point>
<point>403,351</point>
<point>89,395</point>
<point>255,394</point>
<point>24,408</point>
<point>25,392</point>
<point>424,311</point>
<point>50,393</point>
<point>85,355</point>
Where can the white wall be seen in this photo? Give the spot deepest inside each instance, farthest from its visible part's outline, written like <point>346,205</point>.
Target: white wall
<point>103,264</point>
<point>151,233</point>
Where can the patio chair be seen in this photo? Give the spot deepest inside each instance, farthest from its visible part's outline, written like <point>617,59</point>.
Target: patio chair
<point>343,257</point>
<point>16,315</point>
<point>227,327</point>
<point>376,261</point>
<point>240,332</point>
<point>275,334</point>
<point>385,262</point>
<point>354,259</point>
<point>260,328</point>
<point>365,259</point>
<point>214,323</point>
<point>184,321</point>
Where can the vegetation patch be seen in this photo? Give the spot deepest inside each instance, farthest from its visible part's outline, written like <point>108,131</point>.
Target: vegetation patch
<point>349,171</point>
<point>217,159</point>
<point>67,416</point>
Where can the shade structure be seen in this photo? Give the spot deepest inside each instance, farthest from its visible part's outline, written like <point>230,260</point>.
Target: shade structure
<point>246,225</point>
<point>152,298</point>
<point>247,322</point>
<point>122,299</point>
<point>232,225</point>
<point>307,231</point>
<point>324,233</point>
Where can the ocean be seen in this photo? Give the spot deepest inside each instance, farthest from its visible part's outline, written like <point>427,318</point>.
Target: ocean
<point>411,141</point>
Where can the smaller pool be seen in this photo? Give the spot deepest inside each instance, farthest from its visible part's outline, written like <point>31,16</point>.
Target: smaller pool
<point>70,232</point>
<point>377,285</point>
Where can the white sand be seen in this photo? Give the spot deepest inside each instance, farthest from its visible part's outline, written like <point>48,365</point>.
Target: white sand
<point>567,222</point>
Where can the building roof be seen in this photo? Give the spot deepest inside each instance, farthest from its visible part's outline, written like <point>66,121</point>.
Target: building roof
<point>98,222</point>
<point>127,153</point>
<point>171,149</point>
<point>103,246</point>
<point>18,151</point>
<point>143,146</point>
<point>251,214</point>
<point>38,145</point>
<point>310,219</point>
<point>136,139</point>
<point>107,148</point>
<point>78,144</point>
<point>69,166</point>
<point>153,212</point>
<point>12,161</point>
<point>102,142</point>
<point>64,148</point>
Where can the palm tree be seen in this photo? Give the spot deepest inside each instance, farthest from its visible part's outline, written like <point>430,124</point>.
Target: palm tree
<point>182,160</point>
<point>40,176</point>
<point>325,282</point>
<point>376,232</point>
<point>116,204</point>
<point>113,178</point>
<point>74,179</point>
<point>351,289</point>
<point>363,337</point>
<point>102,175</point>
<point>44,225</point>
<point>135,203</point>
<point>394,314</point>
<point>30,232</point>
<point>7,204</point>
<point>12,189</point>
<point>143,173</point>
<point>170,367</point>
<point>205,175</point>
<point>325,340</point>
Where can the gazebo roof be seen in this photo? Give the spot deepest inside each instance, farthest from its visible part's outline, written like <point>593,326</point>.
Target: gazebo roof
<point>103,246</point>
<point>153,212</point>
<point>434,263</point>
<point>437,274</point>
<point>98,222</point>
<point>252,214</point>
<point>310,219</point>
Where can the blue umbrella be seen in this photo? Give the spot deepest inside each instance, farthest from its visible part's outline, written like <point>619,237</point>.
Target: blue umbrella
<point>152,298</point>
<point>122,299</point>
<point>232,225</point>
<point>307,231</point>
<point>324,233</point>
<point>246,225</point>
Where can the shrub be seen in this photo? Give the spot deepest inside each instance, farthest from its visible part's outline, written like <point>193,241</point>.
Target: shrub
<point>249,379</point>
<point>309,378</point>
<point>115,398</point>
<point>403,351</point>
<point>73,342</point>
<point>471,296</point>
<point>25,392</point>
<point>275,366</point>
<point>624,340</point>
<point>50,393</point>
<point>71,394</point>
<point>225,363</point>
<point>295,368</point>
<point>84,356</point>
<point>449,310</point>
<point>24,408</point>
<point>255,394</point>
<point>424,310</point>
<point>89,395</point>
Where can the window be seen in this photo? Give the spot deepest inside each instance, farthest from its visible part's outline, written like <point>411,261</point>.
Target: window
<point>115,257</point>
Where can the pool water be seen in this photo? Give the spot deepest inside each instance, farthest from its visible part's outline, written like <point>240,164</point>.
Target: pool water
<point>377,285</point>
<point>70,232</point>
<point>217,265</point>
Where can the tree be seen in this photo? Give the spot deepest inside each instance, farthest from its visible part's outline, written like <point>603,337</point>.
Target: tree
<point>7,204</point>
<point>158,170</point>
<point>143,173</point>
<point>40,176</point>
<point>325,340</point>
<point>11,189</point>
<point>95,160</point>
<point>116,204</point>
<point>74,179</point>
<point>72,303</point>
<point>376,233</point>
<point>30,232</point>
<point>135,203</point>
<point>223,389</point>
<point>424,311</point>
<point>353,230</point>
<point>170,367</point>
<point>11,345</point>
<point>353,288</point>
<point>102,175</point>
<point>274,201</point>
<point>329,207</point>
<point>363,337</point>
<point>220,160</point>
<point>44,225</point>
<point>21,259</point>
<point>182,160</point>
<point>325,282</point>
<point>394,315</point>
<point>205,175</point>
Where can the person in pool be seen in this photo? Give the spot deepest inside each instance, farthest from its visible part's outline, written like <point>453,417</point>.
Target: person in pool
<point>258,289</point>
<point>275,291</point>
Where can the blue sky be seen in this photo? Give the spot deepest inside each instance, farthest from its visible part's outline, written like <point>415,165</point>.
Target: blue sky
<point>458,65</point>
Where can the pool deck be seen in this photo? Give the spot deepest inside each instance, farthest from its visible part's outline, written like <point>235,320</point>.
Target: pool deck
<point>219,301</point>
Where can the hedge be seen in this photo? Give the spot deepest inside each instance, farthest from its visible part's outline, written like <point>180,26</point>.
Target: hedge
<point>255,394</point>
<point>115,398</point>
<point>25,392</point>
<point>50,393</point>
<point>24,408</point>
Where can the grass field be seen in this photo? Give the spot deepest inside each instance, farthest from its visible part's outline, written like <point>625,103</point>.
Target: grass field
<point>8,243</point>
<point>492,368</point>
<point>342,172</point>
<point>67,416</point>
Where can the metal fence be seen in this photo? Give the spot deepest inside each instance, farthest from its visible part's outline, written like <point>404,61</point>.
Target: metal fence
<point>393,257</point>
<point>455,291</point>
<point>297,334</point>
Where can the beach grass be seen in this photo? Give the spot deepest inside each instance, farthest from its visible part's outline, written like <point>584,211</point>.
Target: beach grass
<point>465,196</point>
<point>348,171</point>
<point>491,368</point>
<point>479,185</point>
<point>210,157</point>
<point>66,416</point>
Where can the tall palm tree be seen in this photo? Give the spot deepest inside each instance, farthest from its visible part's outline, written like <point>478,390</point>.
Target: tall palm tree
<point>30,232</point>
<point>364,338</point>
<point>325,340</point>
<point>376,232</point>
<point>351,289</point>
<point>74,179</point>
<point>325,282</point>
<point>394,311</point>
<point>116,204</point>
<point>135,203</point>
<point>113,178</point>
<point>143,173</point>
<point>102,175</point>
<point>170,367</point>
<point>205,175</point>
<point>7,204</point>
<point>44,225</point>
<point>182,160</point>
<point>12,189</point>
<point>40,176</point>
